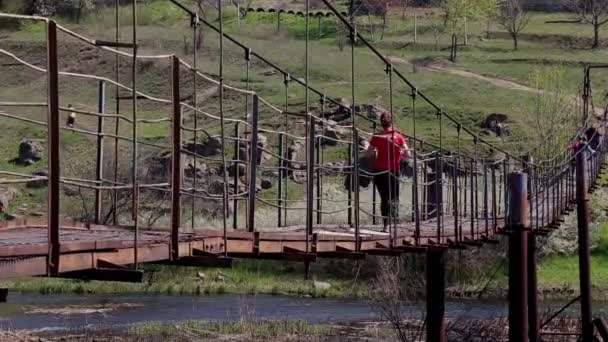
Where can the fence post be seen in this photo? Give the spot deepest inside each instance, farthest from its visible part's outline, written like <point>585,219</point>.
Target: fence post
<point>101,108</point>
<point>518,223</point>
<point>582,198</point>
<point>435,295</point>
<point>53,146</point>
<point>253,165</point>
<point>176,170</point>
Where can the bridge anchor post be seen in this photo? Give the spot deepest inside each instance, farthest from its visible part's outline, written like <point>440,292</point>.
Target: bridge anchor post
<point>518,258</point>
<point>435,295</point>
<point>584,256</point>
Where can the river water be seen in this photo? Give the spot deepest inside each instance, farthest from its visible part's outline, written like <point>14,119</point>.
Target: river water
<point>63,312</point>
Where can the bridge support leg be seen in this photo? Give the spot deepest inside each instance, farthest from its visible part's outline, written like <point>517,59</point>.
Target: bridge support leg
<point>432,194</point>
<point>533,321</point>
<point>3,295</point>
<point>582,198</point>
<point>518,258</point>
<point>176,162</point>
<point>53,145</point>
<point>101,108</point>
<point>435,295</point>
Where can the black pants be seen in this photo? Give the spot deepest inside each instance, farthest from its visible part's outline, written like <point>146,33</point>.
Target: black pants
<point>388,187</point>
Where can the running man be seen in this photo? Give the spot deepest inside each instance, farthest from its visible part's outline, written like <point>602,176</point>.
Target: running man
<point>385,152</point>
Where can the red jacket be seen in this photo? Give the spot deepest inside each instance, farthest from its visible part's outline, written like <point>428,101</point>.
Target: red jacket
<point>388,145</point>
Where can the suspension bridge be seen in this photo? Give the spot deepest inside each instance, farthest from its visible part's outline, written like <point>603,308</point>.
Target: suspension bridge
<point>450,199</point>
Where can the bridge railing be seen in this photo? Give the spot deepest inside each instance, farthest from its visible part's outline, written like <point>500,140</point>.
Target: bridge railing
<point>448,197</point>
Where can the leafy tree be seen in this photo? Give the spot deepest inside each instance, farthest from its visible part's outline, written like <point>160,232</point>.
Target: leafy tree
<point>594,12</point>
<point>75,8</point>
<point>553,117</point>
<point>456,11</point>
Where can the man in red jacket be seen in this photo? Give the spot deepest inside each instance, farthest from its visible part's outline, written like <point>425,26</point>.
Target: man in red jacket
<point>385,152</point>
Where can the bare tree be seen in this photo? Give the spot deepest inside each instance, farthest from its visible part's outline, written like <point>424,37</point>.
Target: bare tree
<point>594,12</point>
<point>513,17</point>
<point>389,292</point>
<point>379,8</point>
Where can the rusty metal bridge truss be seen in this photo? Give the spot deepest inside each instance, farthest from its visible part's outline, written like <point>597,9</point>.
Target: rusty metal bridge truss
<point>453,198</point>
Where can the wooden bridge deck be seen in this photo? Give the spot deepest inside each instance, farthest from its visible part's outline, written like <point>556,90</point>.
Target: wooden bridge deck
<point>24,247</point>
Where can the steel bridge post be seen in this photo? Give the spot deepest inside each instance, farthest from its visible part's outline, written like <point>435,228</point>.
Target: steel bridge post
<point>176,170</point>
<point>282,174</point>
<point>101,108</point>
<point>53,146</point>
<point>237,175</point>
<point>582,198</point>
<point>253,167</point>
<point>533,319</point>
<point>518,223</point>
<point>435,295</point>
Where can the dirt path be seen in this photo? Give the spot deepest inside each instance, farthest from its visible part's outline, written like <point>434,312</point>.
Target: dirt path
<point>498,82</point>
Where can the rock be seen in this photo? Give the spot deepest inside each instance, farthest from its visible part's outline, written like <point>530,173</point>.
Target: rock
<point>321,285</point>
<point>374,112</point>
<point>243,151</point>
<point>209,148</point>
<point>270,72</point>
<point>201,275</point>
<point>332,133</point>
<point>337,112</point>
<point>9,217</point>
<point>266,184</point>
<point>216,185</point>
<point>38,183</point>
<point>30,151</point>
<point>6,195</point>
<point>37,214</point>
<point>69,191</point>
<point>191,172</point>
<point>220,277</point>
<point>241,170</point>
<point>496,123</point>
<point>158,168</point>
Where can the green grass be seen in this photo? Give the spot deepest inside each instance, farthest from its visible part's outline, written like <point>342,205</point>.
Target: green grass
<point>253,329</point>
<point>245,277</point>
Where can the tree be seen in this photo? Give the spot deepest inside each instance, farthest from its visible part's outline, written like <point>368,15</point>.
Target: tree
<point>378,8</point>
<point>594,12</point>
<point>513,17</point>
<point>487,9</point>
<point>456,11</point>
<point>553,116</point>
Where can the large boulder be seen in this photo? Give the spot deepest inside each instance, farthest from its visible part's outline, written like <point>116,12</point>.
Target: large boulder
<point>38,183</point>
<point>332,132</point>
<point>496,123</point>
<point>336,112</point>
<point>242,153</point>
<point>30,151</point>
<point>208,148</point>
<point>7,194</point>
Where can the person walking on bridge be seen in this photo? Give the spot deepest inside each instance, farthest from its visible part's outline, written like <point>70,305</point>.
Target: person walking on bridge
<point>385,152</point>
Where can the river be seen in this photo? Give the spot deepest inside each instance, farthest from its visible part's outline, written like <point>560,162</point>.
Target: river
<point>64,312</point>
